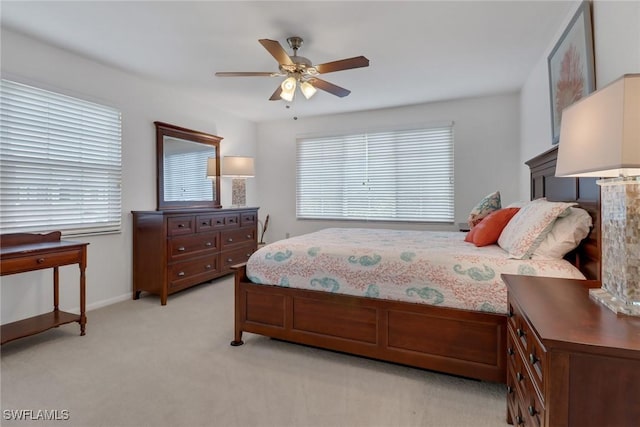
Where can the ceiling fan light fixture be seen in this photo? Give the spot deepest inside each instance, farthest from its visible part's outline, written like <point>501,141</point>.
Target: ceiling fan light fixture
<point>307,89</point>
<point>288,89</point>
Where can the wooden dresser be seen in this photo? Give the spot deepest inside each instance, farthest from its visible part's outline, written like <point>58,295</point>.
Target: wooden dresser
<point>179,248</point>
<point>571,361</point>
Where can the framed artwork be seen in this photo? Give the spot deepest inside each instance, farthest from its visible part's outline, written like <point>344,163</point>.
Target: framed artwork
<point>571,66</point>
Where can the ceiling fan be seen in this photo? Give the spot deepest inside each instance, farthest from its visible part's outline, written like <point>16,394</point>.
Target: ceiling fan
<point>299,70</point>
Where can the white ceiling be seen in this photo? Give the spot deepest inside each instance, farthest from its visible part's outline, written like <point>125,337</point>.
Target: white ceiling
<point>420,51</point>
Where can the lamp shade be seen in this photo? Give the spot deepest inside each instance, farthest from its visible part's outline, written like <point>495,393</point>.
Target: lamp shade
<point>211,168</point>
<point>238,167</point>
<point>600,134</point>
<point>288,87</point>
<point>307,89</point>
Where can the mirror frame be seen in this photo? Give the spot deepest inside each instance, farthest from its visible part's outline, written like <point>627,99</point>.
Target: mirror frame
<point>165,129</point>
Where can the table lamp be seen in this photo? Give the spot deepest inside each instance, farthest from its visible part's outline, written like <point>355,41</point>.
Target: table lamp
<point>239,168</point>
<point>600,137</point>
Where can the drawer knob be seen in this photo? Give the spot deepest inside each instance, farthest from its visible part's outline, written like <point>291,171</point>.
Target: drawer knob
<point>208,266</point>
<point>519,420</point>
<point>532,358</point>
<point>510,351</point>
<point>229,259</point>
<point>520,332</point>
<point>181,274</point>
<point>40,260</point>
<point>519,376</point>
<point>180,225</point>
<point>229,239</point>
<point>249,236</point>
<point>532,410</point>
<point>181,249</point>
<point>208,244</point>
<point>510,313</point>
<point>509,389</point>
<point>205,223</point>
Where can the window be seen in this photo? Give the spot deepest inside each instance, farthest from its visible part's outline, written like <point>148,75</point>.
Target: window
<point>60,163</point>
<point>400,175</point>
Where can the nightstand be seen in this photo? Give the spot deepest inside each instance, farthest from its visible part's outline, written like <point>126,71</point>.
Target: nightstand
<point>571,361</point>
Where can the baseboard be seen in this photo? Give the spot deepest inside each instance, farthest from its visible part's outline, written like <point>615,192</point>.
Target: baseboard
<point>102,303</point>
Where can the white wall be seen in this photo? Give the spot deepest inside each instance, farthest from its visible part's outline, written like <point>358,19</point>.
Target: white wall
<point>616,32</point>
<point>141,102</point>
<point>486,133</point>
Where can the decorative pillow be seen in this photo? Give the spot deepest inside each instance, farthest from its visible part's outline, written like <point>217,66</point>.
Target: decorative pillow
<point>489,229</point>
<point>565,235</point>
<point>526,230</point>
<point>469,236</point>
<point>490,203</point>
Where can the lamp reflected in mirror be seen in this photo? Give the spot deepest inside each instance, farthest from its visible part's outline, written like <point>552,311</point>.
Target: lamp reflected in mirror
<point>212,172</point>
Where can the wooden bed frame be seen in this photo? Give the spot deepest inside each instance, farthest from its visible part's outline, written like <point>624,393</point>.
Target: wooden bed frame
<point>460,342</point>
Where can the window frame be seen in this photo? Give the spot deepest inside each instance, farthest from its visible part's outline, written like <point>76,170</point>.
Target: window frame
<point>61,162</point>
<point>402,212</point>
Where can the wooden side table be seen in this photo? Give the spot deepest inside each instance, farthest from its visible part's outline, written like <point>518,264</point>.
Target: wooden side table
<point>571,361</point>
<point>22,252</point>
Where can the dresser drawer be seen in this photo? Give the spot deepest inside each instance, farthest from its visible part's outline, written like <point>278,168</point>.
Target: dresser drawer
<point>536,361</point>
<point>185,246</point>
<point>519,327</point>
<point>532,351</point>
<point>36,262</point>
<point>248,218</point>
<point>233,238</point>
<point>534,409</point>
<point>520,376</point>
<point>206,223</point>
<point>237,256</point>
<point>193,271</point>
<point>179,225</point>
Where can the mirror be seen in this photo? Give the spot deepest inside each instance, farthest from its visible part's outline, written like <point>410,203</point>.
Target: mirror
<point>184,159</point>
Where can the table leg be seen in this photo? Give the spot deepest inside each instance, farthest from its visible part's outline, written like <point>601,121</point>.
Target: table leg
<point>56,289</point>
<point>83,317</point>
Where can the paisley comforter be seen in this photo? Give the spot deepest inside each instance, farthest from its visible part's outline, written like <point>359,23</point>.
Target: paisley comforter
<point>428,267</point>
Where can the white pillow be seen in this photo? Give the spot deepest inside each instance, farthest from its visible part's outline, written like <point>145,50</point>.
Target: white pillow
<point>526,230</point>
<point>565,235</point>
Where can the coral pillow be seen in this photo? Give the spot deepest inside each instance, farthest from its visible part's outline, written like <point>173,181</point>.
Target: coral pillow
<point>469,236</point>
<point>489,229</point>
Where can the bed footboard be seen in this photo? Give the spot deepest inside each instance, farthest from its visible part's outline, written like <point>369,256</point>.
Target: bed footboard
<point>459,342</point>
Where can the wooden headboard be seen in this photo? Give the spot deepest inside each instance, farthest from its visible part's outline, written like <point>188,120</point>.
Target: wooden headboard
<point>583,191</point>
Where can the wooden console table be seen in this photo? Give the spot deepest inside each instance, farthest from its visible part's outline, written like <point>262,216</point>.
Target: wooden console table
<point>22,252</point>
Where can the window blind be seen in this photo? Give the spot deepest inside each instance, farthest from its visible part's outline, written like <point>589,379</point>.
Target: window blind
<point>60,163</point>
<point>400,175</point>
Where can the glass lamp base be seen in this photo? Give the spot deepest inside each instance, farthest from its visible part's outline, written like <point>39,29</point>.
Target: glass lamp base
<point>614,304</point>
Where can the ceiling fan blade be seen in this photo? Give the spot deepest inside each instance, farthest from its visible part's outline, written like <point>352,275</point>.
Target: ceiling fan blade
<point>343,64</point>
<point>246,74</point>
<point>276,50</point>
<point>329,87</point>
<point>276,94</point>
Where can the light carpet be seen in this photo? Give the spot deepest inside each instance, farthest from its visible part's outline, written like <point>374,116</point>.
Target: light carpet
<point>142,364</point>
